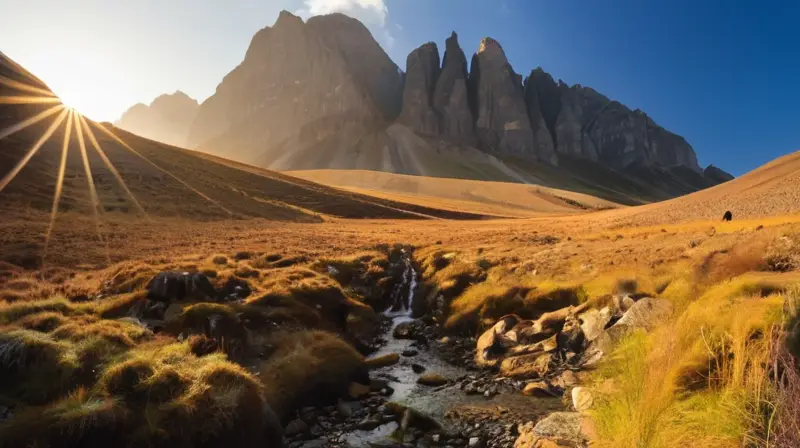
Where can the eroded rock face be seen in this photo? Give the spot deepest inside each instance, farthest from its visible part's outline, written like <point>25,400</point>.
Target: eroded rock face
<point>543,140</point>
<point>422,74</point>
<point>501,117</point>
<point>450,97</point>
<point>299,84</point>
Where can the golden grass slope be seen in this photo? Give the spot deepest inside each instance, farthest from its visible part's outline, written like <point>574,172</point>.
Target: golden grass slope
<point>493,198</point>
<point>771,190</point>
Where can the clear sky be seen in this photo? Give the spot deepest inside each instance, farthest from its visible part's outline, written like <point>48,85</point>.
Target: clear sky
<point>724,74</point>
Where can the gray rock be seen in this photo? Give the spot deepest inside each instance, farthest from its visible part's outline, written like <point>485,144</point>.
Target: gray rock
<point>450,99</point>
<point>543,139</point>
<point>647,313</point>
<point>498,104</point>
<point>561,427</point>
<point>296,427</point>
<point>582,399</point>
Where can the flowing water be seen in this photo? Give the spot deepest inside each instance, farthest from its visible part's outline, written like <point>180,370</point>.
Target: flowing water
<point>434,402</point>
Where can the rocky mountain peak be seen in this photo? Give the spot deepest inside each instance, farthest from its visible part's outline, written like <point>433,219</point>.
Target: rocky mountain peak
<point>490,45</point>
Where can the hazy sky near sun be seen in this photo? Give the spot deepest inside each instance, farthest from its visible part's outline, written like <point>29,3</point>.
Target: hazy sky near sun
<point>722,74</point>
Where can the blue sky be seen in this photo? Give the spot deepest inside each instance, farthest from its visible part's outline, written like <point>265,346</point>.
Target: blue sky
<point>722,74</point>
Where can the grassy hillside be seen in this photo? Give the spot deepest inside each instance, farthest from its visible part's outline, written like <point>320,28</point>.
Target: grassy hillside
<point>497,198</point>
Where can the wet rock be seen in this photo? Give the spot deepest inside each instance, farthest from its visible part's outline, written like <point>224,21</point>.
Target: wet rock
<point>475,442</point>
<point>409,330</point>
<point>369,423</point>
<point>432,379</point>
<point>409,353</point>
<point>295,427</point>
<point>383,361</point>
<point>358,390</point>
<point>410,417</point>
<point>417,368</point>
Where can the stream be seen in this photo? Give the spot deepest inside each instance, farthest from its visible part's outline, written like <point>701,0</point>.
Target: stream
<point>436,402</point>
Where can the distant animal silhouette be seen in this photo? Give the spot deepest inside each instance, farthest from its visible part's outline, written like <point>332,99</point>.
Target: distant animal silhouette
<point>728,216</point>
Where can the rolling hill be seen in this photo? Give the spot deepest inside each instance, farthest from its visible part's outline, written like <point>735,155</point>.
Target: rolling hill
<point>137,176</point>
<point>494,198</point>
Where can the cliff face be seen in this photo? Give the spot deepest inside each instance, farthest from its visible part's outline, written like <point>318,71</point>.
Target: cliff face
<point>167,119</point>
<point>299,84</point>
<point>325,90</point>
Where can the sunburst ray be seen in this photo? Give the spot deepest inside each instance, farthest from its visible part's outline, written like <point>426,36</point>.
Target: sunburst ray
<point>90,181</point>
<point>14,128</point>
<point>21,86</point>
<point>181,181</point>
<point>109,165</point>
<point>18,99</point>
<point>62,168</point>
<point>34,149</point>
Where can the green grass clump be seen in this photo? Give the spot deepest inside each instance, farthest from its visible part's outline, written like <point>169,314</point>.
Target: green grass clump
<point>17,310</point>
<point>34,366</point>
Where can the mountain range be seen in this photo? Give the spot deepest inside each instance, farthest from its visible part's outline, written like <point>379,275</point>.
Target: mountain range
<point>323,94</point>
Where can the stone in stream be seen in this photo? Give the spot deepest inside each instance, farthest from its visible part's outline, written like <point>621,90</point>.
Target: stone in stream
<point>432,379</point>
<point>417,368</point>
<point>383,361</point>
<point>409,330</point>
<point>295,427</point>
<point>409,353</point>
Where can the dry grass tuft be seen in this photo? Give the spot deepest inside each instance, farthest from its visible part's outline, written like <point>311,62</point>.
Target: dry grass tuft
<point>310,367</point>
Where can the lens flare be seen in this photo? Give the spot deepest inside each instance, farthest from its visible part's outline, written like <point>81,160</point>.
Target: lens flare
<point>95,200</point>
<point>30,121</point>
<point>181,181</point>
<point>34,149</point>
<point>109,165</point>
<point>62,168</point>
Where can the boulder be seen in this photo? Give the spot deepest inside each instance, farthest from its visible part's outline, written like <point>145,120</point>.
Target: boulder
<point>571,337</point>
<point>562,428</point>
<point>593,322</point>
<point>582,399</point>
<point>409,330</point>
<point>422,74</point>
<point>647,313</point>
<point>358,390</point>
<point>450,99</point>
<point>498,104</point>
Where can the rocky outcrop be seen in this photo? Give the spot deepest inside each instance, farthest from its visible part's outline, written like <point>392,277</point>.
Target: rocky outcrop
<point>299,86</point>
<point>543,140</point>
<point>450,97</point>
<point>422,74</point>
<point>501,117</point>
<point>167,119</point>
<point>717,175</point>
